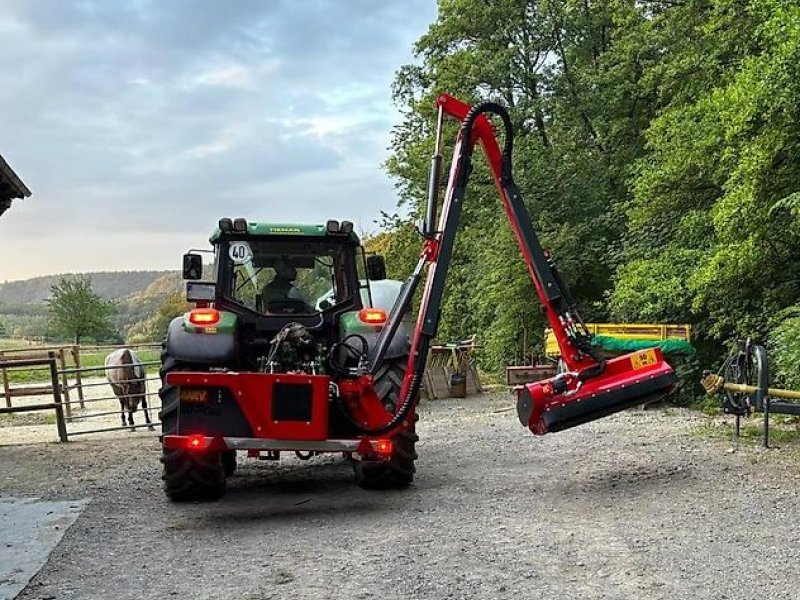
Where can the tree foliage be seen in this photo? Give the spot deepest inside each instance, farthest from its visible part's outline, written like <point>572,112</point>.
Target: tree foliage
<point>550,63</point>
<point>77,312</point>
<point>656,147</point>
<point>714,195</point>
<point>154,328</point>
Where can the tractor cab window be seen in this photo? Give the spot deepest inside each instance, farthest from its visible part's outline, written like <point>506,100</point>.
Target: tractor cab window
<point>288,278</point>
<point>363,282</point>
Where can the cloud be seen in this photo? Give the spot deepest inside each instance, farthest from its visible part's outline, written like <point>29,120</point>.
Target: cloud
<point>143,116</point>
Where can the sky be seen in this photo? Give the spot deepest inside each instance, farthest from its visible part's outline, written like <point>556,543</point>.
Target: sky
<point>137,124</point>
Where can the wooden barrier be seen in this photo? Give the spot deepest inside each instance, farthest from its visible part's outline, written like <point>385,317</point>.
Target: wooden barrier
<point>6,384</point>
<point>518,375</point>
<point>446,361</point>
<point>76,360</point>
<point>11,359</point>
<point>56,405</point>
<point>65,370</point>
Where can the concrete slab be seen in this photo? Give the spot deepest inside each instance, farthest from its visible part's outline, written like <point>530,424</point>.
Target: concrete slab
<point>29,530</point>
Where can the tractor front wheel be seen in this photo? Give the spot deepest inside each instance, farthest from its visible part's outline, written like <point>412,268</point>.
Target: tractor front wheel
<point>188,475</point>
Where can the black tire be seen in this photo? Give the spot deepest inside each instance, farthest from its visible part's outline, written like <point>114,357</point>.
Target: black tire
<point>187,475</point>
<point>388,381</point>
<point>398,471</point>
<point>229,462</point>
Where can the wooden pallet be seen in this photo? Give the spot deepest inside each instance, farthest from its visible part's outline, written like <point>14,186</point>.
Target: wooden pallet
<point>443,362</point>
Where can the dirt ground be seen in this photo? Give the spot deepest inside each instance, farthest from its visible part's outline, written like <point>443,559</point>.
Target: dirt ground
<point>639,505</point>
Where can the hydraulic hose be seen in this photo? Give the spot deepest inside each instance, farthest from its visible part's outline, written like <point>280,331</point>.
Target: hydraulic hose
<point>409,401</point>
<point>398,417</point>
<point>507,180</point>
<point>426,334</point>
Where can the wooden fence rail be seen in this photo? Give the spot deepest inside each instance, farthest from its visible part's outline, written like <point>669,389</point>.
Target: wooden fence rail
<point>69,360</point>
<point>50,363</point>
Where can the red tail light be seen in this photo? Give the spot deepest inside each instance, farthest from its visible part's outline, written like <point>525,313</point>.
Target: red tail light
<point>196,442</point>
<point>372,316</point>
<point>383,447</point>
<point>204,316</point>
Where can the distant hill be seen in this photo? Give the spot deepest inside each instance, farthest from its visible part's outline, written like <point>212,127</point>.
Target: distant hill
<point>141,304</point>
<point>115,285</point>
<point>136,294</point>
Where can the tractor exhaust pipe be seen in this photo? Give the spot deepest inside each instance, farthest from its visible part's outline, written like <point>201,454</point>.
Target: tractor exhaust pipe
<point>434,178</point>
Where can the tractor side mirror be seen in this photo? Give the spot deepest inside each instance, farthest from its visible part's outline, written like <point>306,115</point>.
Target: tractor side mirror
<point>376,267</point>
<point>192,266</point>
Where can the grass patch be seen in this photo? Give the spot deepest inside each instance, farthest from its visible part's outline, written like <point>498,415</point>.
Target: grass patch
<point>13,344</point>
<point>708,405</point>
<point>783,429</point>
<point>31,418</point>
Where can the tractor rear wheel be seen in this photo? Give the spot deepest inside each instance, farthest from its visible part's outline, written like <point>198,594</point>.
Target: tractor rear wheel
<point>188,475</point>
<point>229,462</point>
<point>398,471</point>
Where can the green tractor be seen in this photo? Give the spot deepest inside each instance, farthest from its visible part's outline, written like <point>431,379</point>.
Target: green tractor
<point>281,354</point>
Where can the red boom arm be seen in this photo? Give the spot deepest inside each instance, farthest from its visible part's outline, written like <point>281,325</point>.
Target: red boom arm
<point>483,133</point>
<point>592,387</point>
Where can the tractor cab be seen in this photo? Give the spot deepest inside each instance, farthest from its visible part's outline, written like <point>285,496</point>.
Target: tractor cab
<point>268,276</point>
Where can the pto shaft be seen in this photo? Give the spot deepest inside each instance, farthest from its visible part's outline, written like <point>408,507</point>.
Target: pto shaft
<point>714,383</point>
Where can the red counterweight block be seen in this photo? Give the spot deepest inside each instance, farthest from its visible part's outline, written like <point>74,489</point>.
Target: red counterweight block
<point>281,406</point>
<point>562,402</point>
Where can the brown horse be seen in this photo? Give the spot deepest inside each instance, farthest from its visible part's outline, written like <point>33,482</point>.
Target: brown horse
<point>126,375</point>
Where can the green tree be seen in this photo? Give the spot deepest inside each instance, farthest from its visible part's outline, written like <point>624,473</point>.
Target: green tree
<point>76,311</point>
<point>713,237</point>
<point>154,328</point>
<point>567,71</point>
<point>657,147</point>
<point>784,349</point>
<point>398,242</point>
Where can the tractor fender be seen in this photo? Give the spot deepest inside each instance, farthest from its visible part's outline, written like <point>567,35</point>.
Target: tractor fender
<point>200,348</point>
<point>399,346</point>
<point>350,324</point>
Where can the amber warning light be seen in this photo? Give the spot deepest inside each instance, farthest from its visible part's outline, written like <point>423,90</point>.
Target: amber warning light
<point>204,316</point>
<point>372,316</point>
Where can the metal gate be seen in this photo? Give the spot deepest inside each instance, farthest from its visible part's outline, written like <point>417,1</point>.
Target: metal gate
<point>98,407</point>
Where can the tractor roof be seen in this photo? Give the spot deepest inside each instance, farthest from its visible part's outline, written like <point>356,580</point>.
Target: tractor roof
<point>286,229</point>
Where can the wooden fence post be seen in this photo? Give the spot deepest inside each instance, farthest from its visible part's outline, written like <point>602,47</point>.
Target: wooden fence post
<point>60,423</point>
<point>65,384</point>
<point>76,358</point>
<point>6,385</point>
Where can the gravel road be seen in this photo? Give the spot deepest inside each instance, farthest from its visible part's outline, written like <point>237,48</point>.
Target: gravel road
<point>635,506</point>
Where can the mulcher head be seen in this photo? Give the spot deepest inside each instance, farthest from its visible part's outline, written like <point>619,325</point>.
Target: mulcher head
<point>564,401</point>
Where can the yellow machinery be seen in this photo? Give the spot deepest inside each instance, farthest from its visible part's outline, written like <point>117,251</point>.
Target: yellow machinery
<point>620,332</point>
<point>713,384</point>
<point>625,331</point>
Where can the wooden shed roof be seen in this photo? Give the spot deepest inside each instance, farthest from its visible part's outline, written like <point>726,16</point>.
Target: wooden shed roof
<point>11,186</point>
